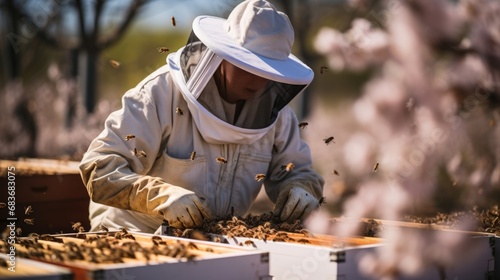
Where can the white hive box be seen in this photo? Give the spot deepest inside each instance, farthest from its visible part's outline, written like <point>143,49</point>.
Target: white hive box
<point>340,260</point>
<point>476,258</point>
<point>326,257</point>
<point>212,261</point>
<point>33,270</point>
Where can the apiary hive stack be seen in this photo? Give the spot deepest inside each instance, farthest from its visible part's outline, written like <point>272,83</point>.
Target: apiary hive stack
<point>33,270</point>
<point>103,255</point>
<point>52,191</point>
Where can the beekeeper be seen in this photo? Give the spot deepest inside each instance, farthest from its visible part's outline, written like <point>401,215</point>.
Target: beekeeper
<point>197,138</point>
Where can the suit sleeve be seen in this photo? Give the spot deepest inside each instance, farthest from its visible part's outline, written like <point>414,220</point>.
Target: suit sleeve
<point>114,169</point>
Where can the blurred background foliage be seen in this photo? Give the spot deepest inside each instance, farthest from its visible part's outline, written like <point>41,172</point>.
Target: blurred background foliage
<point>48,63</point>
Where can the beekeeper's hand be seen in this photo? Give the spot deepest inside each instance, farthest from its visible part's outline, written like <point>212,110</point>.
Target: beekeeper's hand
<point>295,204</point>
<point>183,208</point>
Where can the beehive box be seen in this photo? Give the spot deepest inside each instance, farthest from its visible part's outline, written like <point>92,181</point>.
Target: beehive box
<point>318,257</point>
<point>476,261</point>
<point>25,269</point>
<point>123,255</point>
<point>54,190</point>
<point>331,257</point>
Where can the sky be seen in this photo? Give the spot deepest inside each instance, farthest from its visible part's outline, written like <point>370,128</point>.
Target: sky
<point>157,14</point>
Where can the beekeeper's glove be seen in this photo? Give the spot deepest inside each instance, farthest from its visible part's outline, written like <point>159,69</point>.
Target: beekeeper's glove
<point>295,204</point>
<point>182,208</point>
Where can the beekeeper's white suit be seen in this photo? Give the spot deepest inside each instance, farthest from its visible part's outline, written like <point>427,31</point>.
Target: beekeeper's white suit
<point>190,152</point>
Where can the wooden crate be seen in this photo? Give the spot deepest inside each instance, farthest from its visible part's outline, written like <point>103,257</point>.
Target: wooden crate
<point>26,269</point>
<point>53,188</point>
<point>210,260</point>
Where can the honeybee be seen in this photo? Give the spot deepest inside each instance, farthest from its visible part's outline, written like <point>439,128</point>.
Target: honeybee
<point>193,154</point>
<point>259,177</point>
<point>288,167</point>
<point>130,136</point>
<point>29,221</point>
<point>375,168</point>
<point>335,172</point>
<point>328,140</point>
<point>19,231</point>
<point>28,210</point>
<point>3,204</point>
<point>103,227</point>
<point>323,69</point>
<point>128,236</point>
<point>133,151</point>
<point>173,21</point>
<point>303,125</point>
<point>142,154</point>
<point>221,160</point>
<point>76,226</point>
<point>303,241</point>
<point>322,201</point>
<point>278,239</point>
<point>305,232</point>
<point>90,239</point>
<point>124,230</point>
<point>179,111</point>
<point>162,49</point>
<point>114,63</point>
<point>191,245</point>
<point>250,243</point>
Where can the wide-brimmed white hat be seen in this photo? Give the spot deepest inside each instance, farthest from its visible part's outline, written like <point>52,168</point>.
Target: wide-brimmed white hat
<point>257,38</point>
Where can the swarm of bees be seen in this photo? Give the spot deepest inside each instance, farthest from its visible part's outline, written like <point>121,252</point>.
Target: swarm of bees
<point>486,219</point>
<point>134,151</point>
<point>101,247</point>
<point>265,227</point>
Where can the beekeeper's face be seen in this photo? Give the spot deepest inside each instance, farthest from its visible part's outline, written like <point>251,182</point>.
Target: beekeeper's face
<point>237,85</point>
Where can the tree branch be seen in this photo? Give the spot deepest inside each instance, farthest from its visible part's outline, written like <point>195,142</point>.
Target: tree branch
<point>85,44</point>
<point>132,11</point>
<point>40,32</point>
<point>99,6</point>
